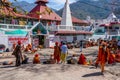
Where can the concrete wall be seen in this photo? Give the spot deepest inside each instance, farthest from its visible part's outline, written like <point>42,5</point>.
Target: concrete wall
<point>4,40</point>
<point>80,37</point>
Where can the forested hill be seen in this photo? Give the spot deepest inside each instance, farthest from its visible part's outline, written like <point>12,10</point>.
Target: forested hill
<point>97,9</point>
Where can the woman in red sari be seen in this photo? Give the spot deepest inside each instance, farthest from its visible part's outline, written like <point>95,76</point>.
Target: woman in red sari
<point>82,59</point>
<point>56,52</point>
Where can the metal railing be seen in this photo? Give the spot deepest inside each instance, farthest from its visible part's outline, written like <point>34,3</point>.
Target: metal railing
<point>12,26</point>
<point>66,28</point>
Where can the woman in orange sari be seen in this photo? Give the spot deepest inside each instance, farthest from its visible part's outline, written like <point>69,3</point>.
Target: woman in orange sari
<point>56,52</point>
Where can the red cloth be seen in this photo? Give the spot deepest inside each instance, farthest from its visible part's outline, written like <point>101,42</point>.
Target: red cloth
<point>82,59</point>
<point>19,42</point>
<point>56,43</point>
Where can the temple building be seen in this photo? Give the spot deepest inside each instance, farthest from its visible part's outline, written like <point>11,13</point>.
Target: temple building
<point>41,26</point>
<point>44,13</point>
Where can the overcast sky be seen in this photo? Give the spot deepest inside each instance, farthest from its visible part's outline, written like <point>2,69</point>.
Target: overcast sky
<point>55,4</point>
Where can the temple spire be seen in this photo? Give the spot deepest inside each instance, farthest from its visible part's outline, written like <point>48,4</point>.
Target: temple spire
<point>66,15</point>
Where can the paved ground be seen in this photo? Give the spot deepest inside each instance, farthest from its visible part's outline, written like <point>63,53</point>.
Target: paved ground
<point>57,71</point>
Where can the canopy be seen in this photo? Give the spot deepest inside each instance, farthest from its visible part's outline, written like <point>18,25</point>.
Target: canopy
<point>16,32</point>
<point>41,28</point>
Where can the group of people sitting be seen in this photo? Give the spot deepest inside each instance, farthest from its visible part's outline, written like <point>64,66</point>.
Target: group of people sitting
<point>60,55</point>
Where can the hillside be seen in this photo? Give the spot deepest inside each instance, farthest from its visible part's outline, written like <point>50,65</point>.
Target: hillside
<point>97,9</point>
<point>23,5</point>
<point>84,8</point>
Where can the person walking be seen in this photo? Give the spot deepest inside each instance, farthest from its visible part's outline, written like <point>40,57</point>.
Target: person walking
<point>64,52</point>
<point>81,45</point>
<point>102,56</point>
<point>18,54</point>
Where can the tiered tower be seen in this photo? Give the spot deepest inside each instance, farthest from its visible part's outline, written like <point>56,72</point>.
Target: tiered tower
<point>66,16</point>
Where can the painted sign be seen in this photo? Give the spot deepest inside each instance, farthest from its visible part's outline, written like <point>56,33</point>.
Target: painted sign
<point>11,40</point>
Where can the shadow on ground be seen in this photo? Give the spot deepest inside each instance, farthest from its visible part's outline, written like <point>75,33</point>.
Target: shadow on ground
<point>45,68</point>
<point>93,74</point>
<point>8,66</point>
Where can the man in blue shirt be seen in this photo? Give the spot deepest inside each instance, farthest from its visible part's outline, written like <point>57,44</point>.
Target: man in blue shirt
<point>64,52</point>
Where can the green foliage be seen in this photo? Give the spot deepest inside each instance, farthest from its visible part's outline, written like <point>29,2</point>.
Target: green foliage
<point>14,9</point>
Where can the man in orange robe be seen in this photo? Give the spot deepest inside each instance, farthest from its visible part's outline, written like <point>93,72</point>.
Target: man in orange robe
<point>57,52</point>
<point>102,57</point>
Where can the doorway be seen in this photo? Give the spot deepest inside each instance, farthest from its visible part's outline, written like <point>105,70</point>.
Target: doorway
<point>41,39</point>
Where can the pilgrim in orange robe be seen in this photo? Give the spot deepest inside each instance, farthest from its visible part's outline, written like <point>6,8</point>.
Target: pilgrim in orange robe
<point>110,56</point>
<point>30,46</point>
<point>56,52</point>
<point>102,57</point>
<point>36,59</point>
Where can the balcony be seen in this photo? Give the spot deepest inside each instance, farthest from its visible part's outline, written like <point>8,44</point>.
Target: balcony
<point>67,28</point>
<point>113,32</point>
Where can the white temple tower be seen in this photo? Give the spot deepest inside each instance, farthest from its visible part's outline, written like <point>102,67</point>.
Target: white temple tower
<point>66,16</point>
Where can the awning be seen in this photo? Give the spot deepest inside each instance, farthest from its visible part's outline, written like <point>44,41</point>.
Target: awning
<point>16,32</point>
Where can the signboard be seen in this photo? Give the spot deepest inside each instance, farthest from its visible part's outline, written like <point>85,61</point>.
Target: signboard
<point>15,39</point>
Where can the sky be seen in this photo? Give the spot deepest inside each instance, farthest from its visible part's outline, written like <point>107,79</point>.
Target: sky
<point>55,4</point>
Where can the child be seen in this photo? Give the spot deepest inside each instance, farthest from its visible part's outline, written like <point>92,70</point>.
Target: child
<point>36,59</point>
